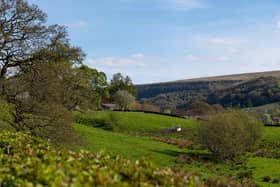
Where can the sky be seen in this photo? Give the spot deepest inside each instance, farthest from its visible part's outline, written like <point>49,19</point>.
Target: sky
<point>166,40</point>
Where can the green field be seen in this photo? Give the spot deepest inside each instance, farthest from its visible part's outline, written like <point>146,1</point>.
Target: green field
<point>133,147</point>
<point>265,167</point>
<point>129,142</point>
<point>272,135</point>
<point>130,146</point>
<point>139,121</point>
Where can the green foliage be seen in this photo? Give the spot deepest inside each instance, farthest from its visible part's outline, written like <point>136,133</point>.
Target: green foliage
<point>7,112</point>
<point>230,134</point>
<point>92,87</point>
<point>123,99</point>
<point>110,122</point>
<point>267,119</point>
<point>201,108</point>
<point>255,92</point>
<point>50,79</point>
<point>51,122</point>
<point>61,83</point>
<point>178,94</point>
<point>119,82</point>
<point>266,113</point>
<point>167,111</point>
<point>29,161</point>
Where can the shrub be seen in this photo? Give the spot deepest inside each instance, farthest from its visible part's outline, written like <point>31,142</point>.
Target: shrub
<point>29,161</point>
<point>266,178</point>
<point>7,112</point>
<point>108,122</point>
<point>245,174</point>
<point>201,108</point>
<point>230,134</point>
<point>51,122</point>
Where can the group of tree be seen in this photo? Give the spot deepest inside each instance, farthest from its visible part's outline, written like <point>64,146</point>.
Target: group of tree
<point>228,93</point>
<point>252,93</point>
<point>202,108</point>
<point>123,91</point>
<point>42,76</point>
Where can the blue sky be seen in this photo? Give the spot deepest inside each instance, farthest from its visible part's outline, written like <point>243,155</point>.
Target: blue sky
<point>164,40</point>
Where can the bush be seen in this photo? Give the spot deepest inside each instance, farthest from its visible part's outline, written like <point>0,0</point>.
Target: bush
<point>29,161</point>
<point>230,134</point>
<point>245,174</point>
<point>50,122</point>
<point>108,122</point>
<point>7,112</point>
<point>201,108</point>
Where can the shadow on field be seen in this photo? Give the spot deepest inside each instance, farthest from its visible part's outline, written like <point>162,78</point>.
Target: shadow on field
<point>170,152</point>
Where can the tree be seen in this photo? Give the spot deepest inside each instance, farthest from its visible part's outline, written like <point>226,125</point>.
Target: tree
<point>39,72</point>
<point>46,92</point>
<point>119,82</point>
<point>91,87</point>
<point>230,134</point>
<point>24,37</point>
<point>123,99</point>
<point>218,108</point>
<point>201,108</point>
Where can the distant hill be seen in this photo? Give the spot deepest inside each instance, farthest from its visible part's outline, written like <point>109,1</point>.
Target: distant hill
<point>235,77</point>
<point>254,92</point>
<point>178,94</point>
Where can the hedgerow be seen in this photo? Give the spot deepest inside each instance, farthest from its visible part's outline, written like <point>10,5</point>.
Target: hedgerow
<point>29,161</point>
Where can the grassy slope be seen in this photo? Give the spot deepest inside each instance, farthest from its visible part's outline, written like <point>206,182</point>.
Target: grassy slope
<point>138,121</point>
<point>135,147</point>
<point>131,147</point>
<point>272,135</point>
<point>265,167</point>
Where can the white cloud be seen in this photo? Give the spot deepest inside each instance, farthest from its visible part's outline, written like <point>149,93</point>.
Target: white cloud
<point>235,55</point>
<point>132,61</point>
<point>77,24</point>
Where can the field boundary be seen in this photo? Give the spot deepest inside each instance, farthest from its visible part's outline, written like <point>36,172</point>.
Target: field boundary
<point>151,112</point>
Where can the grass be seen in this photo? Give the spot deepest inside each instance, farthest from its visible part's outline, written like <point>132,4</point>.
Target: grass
<point>139,121</point>
<point>129,146</point>
<point>272,134</point>
<point>130,142</point>
<point>265,167</point>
